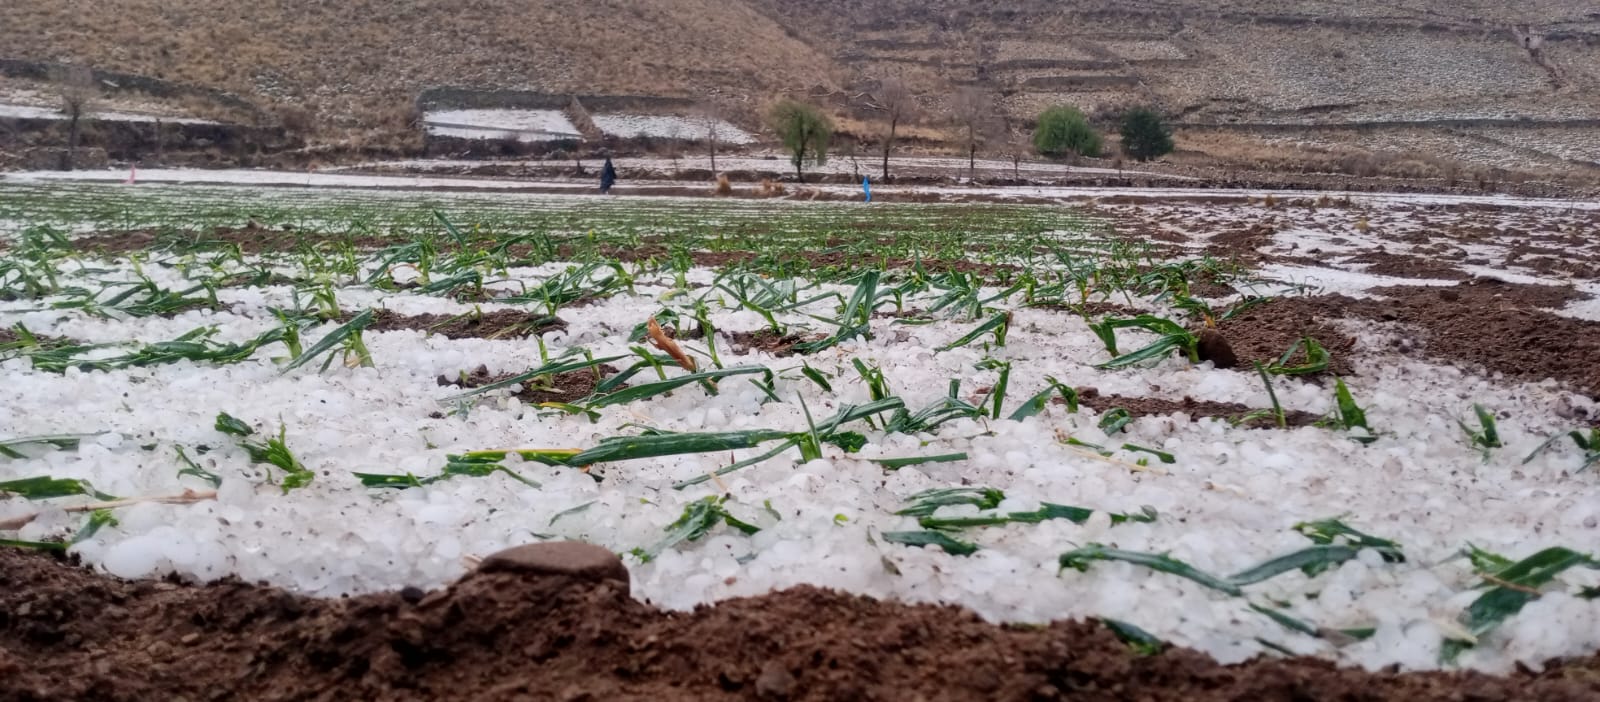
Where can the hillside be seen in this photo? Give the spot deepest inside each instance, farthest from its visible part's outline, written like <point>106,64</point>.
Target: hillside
<point>1309,84</point>
<point>362,62</point>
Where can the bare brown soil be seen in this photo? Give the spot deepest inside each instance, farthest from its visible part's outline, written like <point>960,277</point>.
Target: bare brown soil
<point>69,634</point>
<point>1499,327</point>
<point>1196,409</point>
<point>1264,332</point>
<point>768,341</point>
<point>1384,263</point>
<point>500,324</point>
<point>565,387</point>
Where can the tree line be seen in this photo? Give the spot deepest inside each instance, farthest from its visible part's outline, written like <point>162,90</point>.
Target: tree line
<point>1060,132</point>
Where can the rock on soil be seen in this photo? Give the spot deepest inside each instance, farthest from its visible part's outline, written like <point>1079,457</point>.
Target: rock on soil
<point>69,634</point>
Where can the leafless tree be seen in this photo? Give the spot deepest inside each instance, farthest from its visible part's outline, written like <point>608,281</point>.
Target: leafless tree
<point>1017,143</point>
<point>711,113</point>
<point>77,87</point>
<point>898,104</point>
<point>972,111</point>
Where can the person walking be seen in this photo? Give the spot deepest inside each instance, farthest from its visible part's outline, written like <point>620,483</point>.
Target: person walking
<point>608,177</point>
<point>866,187</point>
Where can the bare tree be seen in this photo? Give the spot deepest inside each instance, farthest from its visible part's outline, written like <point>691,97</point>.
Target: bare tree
<point>712,112</point>
<point>897,103</point>
<point>76,86</point>
<point>972,111</point>
<point>1017,143</point>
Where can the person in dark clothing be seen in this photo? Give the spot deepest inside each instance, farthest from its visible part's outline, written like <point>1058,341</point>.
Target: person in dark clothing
<point>608,176</point>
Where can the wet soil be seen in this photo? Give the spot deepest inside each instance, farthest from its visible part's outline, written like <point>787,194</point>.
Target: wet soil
<point>1482,323</point>
<point>69,634</point>
<point>768,341</point>
<point>1264,332</point>
<point>564,387</point>
<point>1241,243</point>
<point>1396,265</point>
<point>500,324</point>
<point>1196,409</point>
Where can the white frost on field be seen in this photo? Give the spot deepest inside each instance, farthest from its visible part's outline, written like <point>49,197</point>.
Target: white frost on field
<point>670,127</point>
<point>521,125</point>
<point>1227,503</point>
<point>36,112</point>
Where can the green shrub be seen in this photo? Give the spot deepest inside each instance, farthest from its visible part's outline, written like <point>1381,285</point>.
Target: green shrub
<point>1144,135</point>
<point>1064,130</point>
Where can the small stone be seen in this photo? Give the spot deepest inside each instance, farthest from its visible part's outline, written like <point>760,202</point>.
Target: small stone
<point>571,558</point>
<point>1449,295</point>
<point>774,682</point>
<point>1215,348</point>
<point>412,594</point>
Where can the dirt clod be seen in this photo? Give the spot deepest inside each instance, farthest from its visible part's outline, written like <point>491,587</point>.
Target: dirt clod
<point>1214,347</point>
<point>568,558</point>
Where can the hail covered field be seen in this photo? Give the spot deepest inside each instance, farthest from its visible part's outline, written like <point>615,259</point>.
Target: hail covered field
<point>1358,429</point>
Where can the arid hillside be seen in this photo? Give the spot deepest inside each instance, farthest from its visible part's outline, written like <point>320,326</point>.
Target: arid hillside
<point>1426,88</point>
<point>362,62</point>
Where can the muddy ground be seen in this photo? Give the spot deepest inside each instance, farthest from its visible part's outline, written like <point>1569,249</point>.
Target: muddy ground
<point>69,634</point>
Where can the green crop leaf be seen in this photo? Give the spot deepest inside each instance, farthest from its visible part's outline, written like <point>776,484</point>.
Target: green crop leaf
<point>817,377</point>
<point>627,448</point>
<point>1487,435</point>
<point>1046,511</point>
<point>193,469</point>
<point>1141,642</point>
<point>1317,359</point>
<point>232,426</point>
<point>954,547</point>
<point>1310,560</point>
<point>697,520</point>
<point>1514,586</point>
<point>341,334</point>
<point>1350,414</point>
<point>1114,420</point>
<point>898,463</point>
<point>1080,559</point>
<point>996,324</point>
<point>1036,404</point>
<point>44,488</point>
<point>647,390</point>
<point>925,503</point>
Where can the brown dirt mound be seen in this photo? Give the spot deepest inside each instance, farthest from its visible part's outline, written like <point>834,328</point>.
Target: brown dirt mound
<point>1262,333</point>
<point>768,341</point>
<point>1501,327</point>
<point>1196,409</point>
<point>500,324</point>
<point>1384,263</point>
<point>565,387</point>
<point>1243,243</point>
<point>69,634</point>
<point>1497,326</point>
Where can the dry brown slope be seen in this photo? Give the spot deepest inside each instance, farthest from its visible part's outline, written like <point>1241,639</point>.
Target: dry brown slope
<point>362,61</point>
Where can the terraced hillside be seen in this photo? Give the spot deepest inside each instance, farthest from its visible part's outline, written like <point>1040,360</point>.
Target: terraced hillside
<point>1488,85</point>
